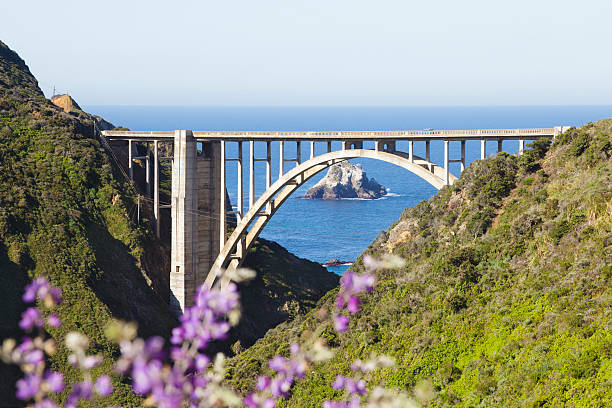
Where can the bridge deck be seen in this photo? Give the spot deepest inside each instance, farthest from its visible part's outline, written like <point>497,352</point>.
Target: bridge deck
<point>475,134</point>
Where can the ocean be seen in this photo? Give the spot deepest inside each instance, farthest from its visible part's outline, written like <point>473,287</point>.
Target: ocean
<point>321,230</point>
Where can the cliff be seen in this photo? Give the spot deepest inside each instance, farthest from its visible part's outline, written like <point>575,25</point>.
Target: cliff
<point>506,296</point>
<point>345,180</point>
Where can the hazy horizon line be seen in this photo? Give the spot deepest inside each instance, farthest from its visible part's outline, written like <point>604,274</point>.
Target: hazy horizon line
<point>353,106</point>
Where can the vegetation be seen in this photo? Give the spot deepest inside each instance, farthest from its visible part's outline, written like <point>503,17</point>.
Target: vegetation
<point>67,213</point>
<point>63,215</point>
<point>505,297</point>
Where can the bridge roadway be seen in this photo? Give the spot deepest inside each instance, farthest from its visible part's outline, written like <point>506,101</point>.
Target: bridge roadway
<point>200,244</point>
<point>415,135</point>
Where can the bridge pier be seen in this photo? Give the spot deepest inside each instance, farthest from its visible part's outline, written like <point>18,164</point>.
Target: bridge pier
<point>156,188</point>
<point>148,170</point>
<point>198,215</point>
<point>130,160</point>
<point>462,156</point>
<point>446,163</point>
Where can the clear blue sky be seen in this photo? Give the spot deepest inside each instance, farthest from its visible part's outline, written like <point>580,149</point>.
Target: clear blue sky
<point>317,52</point>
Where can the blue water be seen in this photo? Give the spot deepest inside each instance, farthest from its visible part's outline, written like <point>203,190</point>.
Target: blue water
<point>322,230</point>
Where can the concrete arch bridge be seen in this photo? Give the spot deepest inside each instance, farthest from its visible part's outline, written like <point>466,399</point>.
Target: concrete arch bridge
<point>199,210</point>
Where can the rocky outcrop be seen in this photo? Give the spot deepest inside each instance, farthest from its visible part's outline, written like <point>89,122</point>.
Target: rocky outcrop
<point>346,180</point>
<point>68,104</point>
<point>65,102</point>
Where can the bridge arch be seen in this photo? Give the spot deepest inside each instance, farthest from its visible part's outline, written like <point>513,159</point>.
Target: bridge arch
<point>234,251</point>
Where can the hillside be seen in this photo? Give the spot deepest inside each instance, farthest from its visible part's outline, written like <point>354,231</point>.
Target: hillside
<point>67,213</point>
<point>64,215</point>
<point>505,299</point>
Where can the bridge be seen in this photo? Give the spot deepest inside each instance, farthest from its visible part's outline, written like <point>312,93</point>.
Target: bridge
<point>199,208</point>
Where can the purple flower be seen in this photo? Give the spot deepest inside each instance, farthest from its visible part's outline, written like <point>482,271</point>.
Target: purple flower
<point>278,363</point>
<point>55,381</point>
<point>28,387</point>
<point>30,318</point>
<point>201,362</point>
<point>56,295</point>
<point>341,323</point>
<point>351,285</point>
<point>338,383</point>
<point>355,387</point>
<point>103,385</point>
<point>353,304</point>
<point>53,320</point>
<point>34,357</point>
<point>40,288</point>
<point>263,382</point>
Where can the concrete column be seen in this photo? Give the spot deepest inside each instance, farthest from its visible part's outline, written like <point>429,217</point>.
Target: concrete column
<point>156,188</point>
<point>298,154</point>
<point>344,144</point>
<point>411,151</point>
<point>184,222</point>
<point>222,209</point>
<point>446,170</point>
<point>377,145</point>
<point>521,146</point>
<point>329,146</point>
<point>312,152</point>
<point>462,156</point>
<point>130,160</point>
<point>268,169</point>
<point>483,149</point>
<point>240,198</point>
<point>281,165</point>
<point>252,175</point>
<point>148,169</point>
<point>210,190</point>
<point>499,146</point>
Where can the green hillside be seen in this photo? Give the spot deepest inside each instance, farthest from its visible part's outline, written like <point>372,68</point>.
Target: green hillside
<point>505,297</point>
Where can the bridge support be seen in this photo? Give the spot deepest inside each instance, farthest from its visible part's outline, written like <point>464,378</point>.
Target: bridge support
<point>130,160</point>
<point>156,187</point>
<point>198,228</point>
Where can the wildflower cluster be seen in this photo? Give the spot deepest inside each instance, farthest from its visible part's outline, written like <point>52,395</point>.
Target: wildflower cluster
<point>184,376</point>
<point>351,285</point>
<point>287,371</point>
<point>355,387</point>
<point>181,378</point>
<point>39,384</point>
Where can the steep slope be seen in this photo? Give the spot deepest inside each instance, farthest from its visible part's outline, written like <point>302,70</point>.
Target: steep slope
<point>505,299</point>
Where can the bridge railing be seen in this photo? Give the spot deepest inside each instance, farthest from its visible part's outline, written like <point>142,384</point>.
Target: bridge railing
<point>465,134</point>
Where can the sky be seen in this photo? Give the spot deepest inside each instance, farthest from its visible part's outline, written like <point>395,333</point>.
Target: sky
<point>316,52</point>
